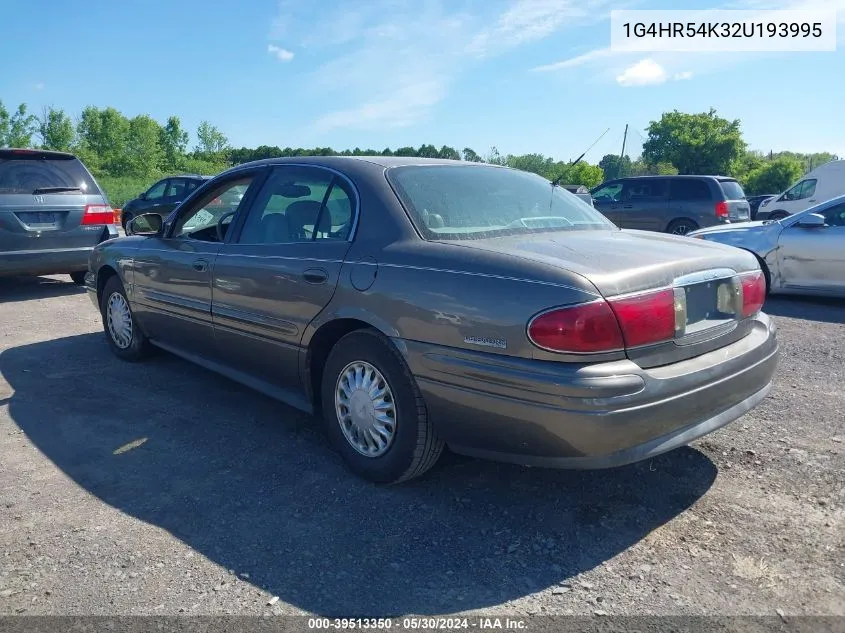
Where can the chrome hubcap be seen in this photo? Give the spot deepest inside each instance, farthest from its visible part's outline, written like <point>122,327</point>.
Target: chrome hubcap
<point>119,320</point>
<point>681,229</point>
<point>365,409</point>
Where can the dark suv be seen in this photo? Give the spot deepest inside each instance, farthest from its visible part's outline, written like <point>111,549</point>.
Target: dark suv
<point>672,204</point>
<point>52,214</point>
<point>162,197</point>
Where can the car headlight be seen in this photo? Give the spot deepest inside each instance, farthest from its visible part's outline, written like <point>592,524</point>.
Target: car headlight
<point>765,202</point>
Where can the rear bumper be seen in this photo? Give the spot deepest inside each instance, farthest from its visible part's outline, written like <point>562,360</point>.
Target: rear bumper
<point>53,261</point>
<point>589,416</point>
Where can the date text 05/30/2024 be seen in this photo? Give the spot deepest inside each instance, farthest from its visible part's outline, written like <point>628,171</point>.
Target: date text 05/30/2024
<point>411,623</point>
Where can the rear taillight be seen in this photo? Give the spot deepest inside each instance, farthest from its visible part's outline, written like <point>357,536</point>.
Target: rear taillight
<point>584,328</point>
<point>606,326</point>
<point>647,318</point>
<point>753,292</point>
<point>722,209</point>
<point>98,214</point>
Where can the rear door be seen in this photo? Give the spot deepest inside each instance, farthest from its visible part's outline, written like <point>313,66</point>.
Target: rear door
<point>43,201</point>
<point>645,203</point>
<point>739,210</point>
<point>280,270</point>
<point>814,258</point>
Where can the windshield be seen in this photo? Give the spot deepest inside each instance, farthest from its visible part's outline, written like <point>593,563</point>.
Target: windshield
<point>732,189</point>
<point>464,202</point>
<point>29,175</point>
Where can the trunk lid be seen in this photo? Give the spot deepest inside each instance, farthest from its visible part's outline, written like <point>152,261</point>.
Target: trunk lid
<point>623,262</point>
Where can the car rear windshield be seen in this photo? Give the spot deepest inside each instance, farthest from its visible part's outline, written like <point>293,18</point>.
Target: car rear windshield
<point>32,172</point>
<point>464,202</point>
<point>733,190</point>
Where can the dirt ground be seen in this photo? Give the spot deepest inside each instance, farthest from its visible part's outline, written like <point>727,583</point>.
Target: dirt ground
<point>160,488</point>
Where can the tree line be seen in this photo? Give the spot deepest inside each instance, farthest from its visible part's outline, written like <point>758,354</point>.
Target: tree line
<point>113,145</point>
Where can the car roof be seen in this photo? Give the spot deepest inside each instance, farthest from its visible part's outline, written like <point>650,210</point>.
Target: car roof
<point>383,161</point>
<point>677,176</point>
<point>12,152</point>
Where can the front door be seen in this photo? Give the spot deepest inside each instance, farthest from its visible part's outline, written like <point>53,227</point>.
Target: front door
<point>813,258</point>
<point>171,289</point>
<point>279,270</point>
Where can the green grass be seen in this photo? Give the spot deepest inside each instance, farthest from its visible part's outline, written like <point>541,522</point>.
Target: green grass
<point>121,189</point>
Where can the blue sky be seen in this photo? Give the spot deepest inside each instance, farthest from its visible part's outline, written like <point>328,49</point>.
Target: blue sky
<point>523,75</point>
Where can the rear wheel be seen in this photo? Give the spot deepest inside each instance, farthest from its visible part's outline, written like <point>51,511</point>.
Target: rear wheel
<point>681,227</point>
<point>78,277</point>
<point>125,338</point>
<point>373,411</point>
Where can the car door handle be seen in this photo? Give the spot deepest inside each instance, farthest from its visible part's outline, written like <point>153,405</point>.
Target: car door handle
<point>315,276</point>
<point>200,265</point>
<point>810,200</point>
<point>628,206</point>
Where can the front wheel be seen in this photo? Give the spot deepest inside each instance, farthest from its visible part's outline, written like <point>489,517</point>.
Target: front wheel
<point>778,215</point>
<point>682,227</point>
<point>373,411</point>
<point>125,338</point>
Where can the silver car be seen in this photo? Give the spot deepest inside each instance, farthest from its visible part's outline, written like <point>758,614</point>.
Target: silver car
<point>52,214</point>
<point>800,254</point>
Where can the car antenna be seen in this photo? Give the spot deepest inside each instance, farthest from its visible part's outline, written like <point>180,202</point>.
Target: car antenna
<point>560,176</point>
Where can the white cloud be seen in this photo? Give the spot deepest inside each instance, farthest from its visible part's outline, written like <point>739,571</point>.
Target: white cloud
<point>39,86</point>
<point>390,62</point>
<point>683,76</point>
<point>282,54</point>
<point>646,72</point>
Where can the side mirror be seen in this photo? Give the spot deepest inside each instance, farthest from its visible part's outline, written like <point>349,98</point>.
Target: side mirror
<point>142,195</point>
<point>811,221</point>
<point>148,225</point>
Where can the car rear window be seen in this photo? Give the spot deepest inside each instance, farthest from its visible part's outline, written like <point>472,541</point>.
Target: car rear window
<point>733,190</point>
<point>29,172</point>
<point>464,202</point>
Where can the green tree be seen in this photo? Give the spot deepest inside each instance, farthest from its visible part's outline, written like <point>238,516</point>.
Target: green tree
<point>774,176</point>
<point>427,151</point>
<point>173,141</point>
<point>405,151</point>
<point>535,163</point>
<point>144,154</point>
<point>615,166</point>
<point>56,130</point>
<point>210,140</point>
<point>4,124</point>
<point>642,168</point>
<point>22,127</point>
<point>702,143</point>
<point>448,153</point>
<point>102,138</point>
<point>494,157</point>
<point>578,174</point>
<point>471,157</point>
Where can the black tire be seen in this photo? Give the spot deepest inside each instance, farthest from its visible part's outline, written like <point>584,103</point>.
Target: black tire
<point>138,346</point>
<point>78,277</point>
<point>766,274</point>
<point>778,215</point>
<point>681,226</point>
<point>415,446</point>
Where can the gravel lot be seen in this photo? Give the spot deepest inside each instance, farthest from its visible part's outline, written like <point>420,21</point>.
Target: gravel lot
<point>160,488</point>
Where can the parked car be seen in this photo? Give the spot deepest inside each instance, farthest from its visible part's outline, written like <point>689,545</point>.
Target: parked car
<point>672,204</point>
<point>799,254</point>
<point>412,303</point>
<point>755,201</point>
<point>52,213</point>
<point>580,191</point>
<point>823,183</point>
<point>162,197</point>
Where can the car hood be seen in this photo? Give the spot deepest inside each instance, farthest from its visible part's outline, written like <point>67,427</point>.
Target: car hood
<point>620,261</point>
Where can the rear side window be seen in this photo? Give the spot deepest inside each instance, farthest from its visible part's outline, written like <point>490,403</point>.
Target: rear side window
<point>30,173</point>
<point>690,189</point>
<point>733,190</point>
<point>644,188</point>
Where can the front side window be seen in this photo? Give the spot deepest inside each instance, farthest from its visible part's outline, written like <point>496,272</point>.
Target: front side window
<point>199,220</point>
<point>802,190</point>
<point>611,192</point>
<point>176,189</point>
<point>157,190</point>
<point>463,202</point>
<point>300,204</point>
<point>835,215</point>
